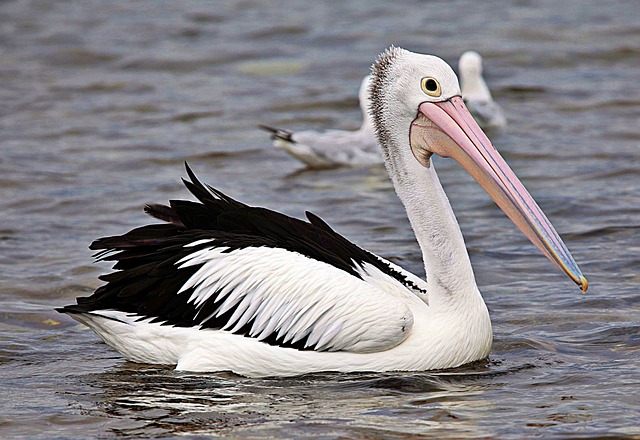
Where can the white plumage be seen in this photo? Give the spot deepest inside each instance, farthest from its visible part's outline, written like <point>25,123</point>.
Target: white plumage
<point>328,318</point>
<point>225,286</point>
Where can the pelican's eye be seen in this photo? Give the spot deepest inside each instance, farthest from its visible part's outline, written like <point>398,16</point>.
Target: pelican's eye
<point>431,86</point>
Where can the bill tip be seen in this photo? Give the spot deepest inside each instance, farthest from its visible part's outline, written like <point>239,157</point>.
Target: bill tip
<point>584,284</point>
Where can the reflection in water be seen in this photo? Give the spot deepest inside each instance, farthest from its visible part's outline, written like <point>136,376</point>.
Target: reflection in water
<point>164,402</point>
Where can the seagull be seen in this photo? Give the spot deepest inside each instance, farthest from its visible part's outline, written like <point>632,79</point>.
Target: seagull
<point>476,94</point>
<point>333,148</point>
<point>222,286</point>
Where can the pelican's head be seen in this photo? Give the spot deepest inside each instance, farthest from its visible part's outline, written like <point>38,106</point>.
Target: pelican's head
<point>470,64</point>
<point>418,111</point>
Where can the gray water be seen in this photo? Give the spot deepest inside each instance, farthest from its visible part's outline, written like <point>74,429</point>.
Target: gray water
<point>102,102</point>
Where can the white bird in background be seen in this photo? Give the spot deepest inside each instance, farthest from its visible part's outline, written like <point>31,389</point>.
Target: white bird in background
<point>476,94</point>
<point>222,286</point>
<point>334,148</point>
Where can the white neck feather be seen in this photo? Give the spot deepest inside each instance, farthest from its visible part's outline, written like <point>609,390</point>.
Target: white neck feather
<point>394,102</point>
<point>446,261</point>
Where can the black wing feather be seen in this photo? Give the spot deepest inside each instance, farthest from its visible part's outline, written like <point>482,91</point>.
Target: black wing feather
<point>163,212</point>
<point>148,277</point>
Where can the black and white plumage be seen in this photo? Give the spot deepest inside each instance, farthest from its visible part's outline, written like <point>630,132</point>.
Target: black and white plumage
<point>224,286</point>
<point>203,269</point>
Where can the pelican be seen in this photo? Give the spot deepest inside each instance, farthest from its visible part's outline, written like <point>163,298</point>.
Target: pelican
<point>332,148</point>
<point>476,94</point>
<point>222,286</point>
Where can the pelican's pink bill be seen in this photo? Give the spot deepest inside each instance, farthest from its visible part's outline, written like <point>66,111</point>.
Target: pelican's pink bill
<point>447,129</point>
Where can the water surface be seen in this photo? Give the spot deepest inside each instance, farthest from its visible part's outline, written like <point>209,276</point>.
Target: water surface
<point>102,102</point>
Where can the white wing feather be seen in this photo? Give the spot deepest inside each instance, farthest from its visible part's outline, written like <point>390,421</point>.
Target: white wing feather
<point>295,297</point>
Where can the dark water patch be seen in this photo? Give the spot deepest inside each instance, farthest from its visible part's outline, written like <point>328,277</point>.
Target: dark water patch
<point>347,103</point>
<point>279,30</point>
<point>193,116</point>
<point>79,57</point>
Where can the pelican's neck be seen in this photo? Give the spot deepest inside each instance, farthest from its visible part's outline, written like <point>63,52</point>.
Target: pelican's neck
<point>474,87</point>
<point>367,127</point>
<point>445,256</point>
